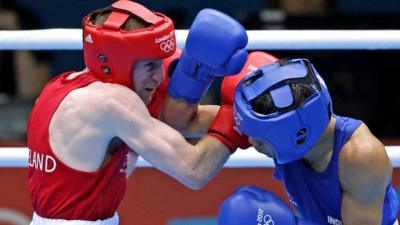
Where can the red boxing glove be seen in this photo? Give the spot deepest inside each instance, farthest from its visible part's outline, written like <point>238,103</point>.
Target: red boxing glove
<point>223,128</point>
<point>223,125</point>
<point>254,61</point>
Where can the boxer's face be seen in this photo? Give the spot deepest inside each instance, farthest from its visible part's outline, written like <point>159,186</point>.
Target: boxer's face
<point>147,75</point>
<point>263,147</point>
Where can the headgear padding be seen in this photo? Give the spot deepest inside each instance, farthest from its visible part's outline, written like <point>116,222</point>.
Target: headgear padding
<point>292,130</point>
<point>111,52</point>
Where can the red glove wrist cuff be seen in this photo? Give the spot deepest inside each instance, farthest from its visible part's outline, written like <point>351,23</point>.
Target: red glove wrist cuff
<point>224,140</point>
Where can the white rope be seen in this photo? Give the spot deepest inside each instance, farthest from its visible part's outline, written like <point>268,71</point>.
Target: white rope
<point>18,157</point>
<point>71,39</point>
<point>47,39</point>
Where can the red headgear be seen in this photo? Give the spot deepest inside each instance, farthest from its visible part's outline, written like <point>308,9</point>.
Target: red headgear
<point>111,52</point>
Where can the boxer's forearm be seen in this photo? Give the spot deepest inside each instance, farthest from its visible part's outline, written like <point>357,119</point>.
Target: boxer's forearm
<point>192,120</point>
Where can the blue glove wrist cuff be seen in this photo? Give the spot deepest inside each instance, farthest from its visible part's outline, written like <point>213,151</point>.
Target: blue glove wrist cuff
<point>184,86</point>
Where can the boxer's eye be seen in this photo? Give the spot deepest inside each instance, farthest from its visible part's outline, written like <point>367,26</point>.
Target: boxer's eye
<point>153,65</point>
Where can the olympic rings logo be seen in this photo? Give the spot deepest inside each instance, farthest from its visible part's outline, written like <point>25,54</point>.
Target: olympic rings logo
<point>268,220</point>
<point>168,45</point>
<point>264,220</point>
<point>237,117</point>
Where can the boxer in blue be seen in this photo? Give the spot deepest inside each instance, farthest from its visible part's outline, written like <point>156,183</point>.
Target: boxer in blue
<point>334,169</point>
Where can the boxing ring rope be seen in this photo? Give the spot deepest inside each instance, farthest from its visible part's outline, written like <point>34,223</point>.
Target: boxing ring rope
<point>71,39</point>
<point>18,157</point>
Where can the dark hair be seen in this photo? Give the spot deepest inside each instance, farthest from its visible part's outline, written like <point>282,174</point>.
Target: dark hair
<point>264,104</point>
<point>132,23</point>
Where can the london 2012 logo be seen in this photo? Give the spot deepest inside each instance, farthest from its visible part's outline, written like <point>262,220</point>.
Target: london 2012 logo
<point>167,42</point>
<point>168,45</point>
<point>264,219</point>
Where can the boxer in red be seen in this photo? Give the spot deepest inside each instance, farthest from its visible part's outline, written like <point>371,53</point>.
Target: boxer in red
<point>88,128</point>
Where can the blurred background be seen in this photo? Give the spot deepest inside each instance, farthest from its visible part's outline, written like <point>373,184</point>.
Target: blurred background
<point>362,83</point>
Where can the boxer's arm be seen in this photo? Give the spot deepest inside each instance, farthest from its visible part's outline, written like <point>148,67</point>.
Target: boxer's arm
<point>161,145</point>
<point>364,172</point>
<point>191,119</point>
<point>211,50</point>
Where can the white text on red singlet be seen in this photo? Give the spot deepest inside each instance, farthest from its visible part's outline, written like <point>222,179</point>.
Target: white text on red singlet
<point>42,162</point>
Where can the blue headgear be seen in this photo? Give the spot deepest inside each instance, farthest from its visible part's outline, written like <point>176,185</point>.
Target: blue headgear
<point>293,131</point>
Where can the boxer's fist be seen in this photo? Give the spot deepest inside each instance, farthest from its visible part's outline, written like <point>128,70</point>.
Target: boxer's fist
<point>253,205</point>
<point>254,61</point>
<point>223,128</point>
<point>223,125</point>
<point>215,46</point>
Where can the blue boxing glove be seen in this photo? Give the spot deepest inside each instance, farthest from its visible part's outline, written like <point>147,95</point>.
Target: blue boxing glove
<point>215,46</point>
<point>304,222</point>
<point>255,206</point>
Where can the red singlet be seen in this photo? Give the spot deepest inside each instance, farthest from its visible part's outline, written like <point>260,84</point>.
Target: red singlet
<point>58,191</point>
